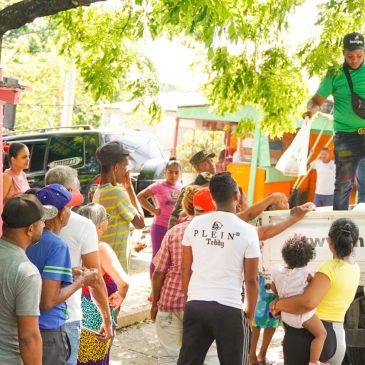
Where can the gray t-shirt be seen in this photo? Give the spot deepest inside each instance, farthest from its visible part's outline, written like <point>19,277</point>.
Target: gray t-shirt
<point>20,291</point>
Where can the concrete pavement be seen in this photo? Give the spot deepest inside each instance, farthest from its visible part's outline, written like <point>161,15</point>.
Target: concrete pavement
<point>138,345</point>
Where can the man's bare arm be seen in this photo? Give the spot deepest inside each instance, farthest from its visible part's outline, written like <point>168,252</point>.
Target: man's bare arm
<point>30,340</point>
<point>187,261</point>
<point>313,105</point>
<point>251,287</point>
<point>273,229</point>
<point>255,210</point>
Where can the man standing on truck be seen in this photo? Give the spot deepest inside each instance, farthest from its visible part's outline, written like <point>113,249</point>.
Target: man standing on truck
<point>349,117</point>
<point>325,184</point>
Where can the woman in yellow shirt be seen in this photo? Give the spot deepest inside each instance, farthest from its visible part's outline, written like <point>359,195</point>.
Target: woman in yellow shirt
<point>331,290</point>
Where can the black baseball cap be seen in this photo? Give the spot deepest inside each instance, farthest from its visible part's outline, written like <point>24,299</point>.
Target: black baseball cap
<point>353,41</point>
<point>200,157</point>
<point>111,153</point>
<point>25,209</point>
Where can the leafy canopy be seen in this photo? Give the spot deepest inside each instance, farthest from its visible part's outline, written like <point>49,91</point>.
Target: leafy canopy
<point>248,59</point>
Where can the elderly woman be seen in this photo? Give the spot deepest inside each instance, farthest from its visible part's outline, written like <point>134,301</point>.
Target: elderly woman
<point>331,290</point>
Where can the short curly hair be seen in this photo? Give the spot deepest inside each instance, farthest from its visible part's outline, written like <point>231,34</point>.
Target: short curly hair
<point>297,251</point>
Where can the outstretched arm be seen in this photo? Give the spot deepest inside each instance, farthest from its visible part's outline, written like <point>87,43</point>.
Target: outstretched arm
<point>313,105</point>
<point>273,229</point>
<point>256,209</point>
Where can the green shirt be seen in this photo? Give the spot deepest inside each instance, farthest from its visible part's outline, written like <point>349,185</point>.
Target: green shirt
<point>335,83</point>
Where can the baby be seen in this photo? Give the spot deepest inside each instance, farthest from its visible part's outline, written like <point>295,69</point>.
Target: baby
<point>290,280</point>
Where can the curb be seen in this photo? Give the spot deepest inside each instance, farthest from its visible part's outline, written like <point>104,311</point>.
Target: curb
<point>133,317</point>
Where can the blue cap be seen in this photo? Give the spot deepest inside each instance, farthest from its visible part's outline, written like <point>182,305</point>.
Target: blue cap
<point>57,195</point>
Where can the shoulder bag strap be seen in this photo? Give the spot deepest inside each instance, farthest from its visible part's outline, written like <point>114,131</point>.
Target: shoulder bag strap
<point>348,77</point>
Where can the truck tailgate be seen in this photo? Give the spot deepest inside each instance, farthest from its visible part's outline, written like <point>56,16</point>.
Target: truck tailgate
<point>315,226</point>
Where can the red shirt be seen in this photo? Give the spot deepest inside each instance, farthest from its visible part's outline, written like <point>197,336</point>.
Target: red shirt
<point>169,261</point>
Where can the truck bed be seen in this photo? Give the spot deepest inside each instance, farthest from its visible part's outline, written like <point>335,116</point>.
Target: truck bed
<point>315,225</point>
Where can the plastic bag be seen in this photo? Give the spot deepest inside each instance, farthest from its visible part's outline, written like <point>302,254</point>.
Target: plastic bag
<point>293,161</point>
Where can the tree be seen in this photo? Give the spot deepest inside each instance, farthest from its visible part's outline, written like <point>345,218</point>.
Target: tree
<point>23,12</point>
<point>247,58</point>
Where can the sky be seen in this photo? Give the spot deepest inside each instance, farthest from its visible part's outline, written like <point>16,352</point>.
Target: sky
<point>172,59</point>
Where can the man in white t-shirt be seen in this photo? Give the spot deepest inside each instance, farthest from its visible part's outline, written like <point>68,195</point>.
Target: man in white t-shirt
<point>326,174</point>
<point>82,240</point>
<point>217,249</point>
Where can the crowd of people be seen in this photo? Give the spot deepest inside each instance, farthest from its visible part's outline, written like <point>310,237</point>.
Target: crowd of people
<point>64,271</point>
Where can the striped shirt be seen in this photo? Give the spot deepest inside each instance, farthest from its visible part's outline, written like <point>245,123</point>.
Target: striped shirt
<point>168,260</point>
<point>117,203</point>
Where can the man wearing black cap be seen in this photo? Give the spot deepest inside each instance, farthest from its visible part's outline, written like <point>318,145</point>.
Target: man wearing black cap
<point>20,282</point>
<point>349,115</point>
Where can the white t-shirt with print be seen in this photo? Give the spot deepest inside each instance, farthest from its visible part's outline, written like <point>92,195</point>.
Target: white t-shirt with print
<point>82,238</point>
<point>326,174</point>
<point>220,242</point>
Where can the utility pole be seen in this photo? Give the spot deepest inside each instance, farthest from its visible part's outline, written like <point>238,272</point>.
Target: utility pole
<point>69,97</point>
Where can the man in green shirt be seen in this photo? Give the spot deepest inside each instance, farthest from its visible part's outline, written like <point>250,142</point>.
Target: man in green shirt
<point>349,128</point>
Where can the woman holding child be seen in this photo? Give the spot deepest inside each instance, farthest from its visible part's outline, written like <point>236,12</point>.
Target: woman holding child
<point>331,291</point>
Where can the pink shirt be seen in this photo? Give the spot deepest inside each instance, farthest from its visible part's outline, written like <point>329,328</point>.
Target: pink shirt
<point>20,182</point>
<point>165,195</point>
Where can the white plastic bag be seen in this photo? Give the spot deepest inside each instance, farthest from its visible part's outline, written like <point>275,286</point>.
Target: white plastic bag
<point>293,161</point>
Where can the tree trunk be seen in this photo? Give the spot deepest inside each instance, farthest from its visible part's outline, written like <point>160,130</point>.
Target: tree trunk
<point>23,12</point>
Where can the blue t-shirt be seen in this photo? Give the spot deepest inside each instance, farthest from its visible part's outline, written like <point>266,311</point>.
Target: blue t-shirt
<point>52,258</point>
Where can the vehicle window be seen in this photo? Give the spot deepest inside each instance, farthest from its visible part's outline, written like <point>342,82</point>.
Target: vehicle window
<point>66,151</point>
<point>91,165</point>
<point>37,152</point>
<point>142,148</point>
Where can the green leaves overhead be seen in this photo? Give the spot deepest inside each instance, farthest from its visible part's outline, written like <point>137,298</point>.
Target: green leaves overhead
<point>247,55</point>
<point>103,42</point>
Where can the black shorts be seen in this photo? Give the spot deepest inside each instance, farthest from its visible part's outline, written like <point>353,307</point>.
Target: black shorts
<point>297,342</point>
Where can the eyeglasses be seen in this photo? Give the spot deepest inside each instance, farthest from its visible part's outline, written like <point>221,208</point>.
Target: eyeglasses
<point>107,218</point>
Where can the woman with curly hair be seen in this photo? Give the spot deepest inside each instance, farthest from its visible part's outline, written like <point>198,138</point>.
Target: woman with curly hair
<point>292,279</point>
<point>331,291</point>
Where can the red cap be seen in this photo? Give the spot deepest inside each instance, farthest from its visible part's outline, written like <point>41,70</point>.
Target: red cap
<point>203,201</point>
<point>76,200</point>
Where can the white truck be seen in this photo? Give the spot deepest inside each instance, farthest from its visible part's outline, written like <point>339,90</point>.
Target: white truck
<point>315,225</point>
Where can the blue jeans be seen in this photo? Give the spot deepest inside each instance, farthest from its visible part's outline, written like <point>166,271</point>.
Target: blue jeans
<point>73,332</point>
<point>360,180</point>
<point>349,150</point>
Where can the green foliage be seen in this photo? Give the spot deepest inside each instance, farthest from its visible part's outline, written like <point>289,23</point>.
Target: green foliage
<point>197,140</point>
<point>337,18</point>
<point>102,42</point>
<point>30,55</point>
<point>247,59</point>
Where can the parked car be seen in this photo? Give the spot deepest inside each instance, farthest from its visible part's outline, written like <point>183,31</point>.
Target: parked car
<point>76,147</point>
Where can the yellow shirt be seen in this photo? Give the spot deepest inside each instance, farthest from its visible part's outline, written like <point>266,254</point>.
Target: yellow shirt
<point>344,278</point>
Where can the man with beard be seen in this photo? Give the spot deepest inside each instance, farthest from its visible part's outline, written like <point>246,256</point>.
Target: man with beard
<point>20,282</point>
<point>347,85</point>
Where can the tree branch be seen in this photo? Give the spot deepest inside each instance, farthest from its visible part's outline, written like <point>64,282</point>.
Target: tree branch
<point>23,12</point>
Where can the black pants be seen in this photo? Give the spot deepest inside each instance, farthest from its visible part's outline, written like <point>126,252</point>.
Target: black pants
<point>205,322</point>
<point>56,347</point>
<point>297,342</point>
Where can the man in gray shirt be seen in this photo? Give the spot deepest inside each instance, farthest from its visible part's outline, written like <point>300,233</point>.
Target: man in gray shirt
<point>20,282</point>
